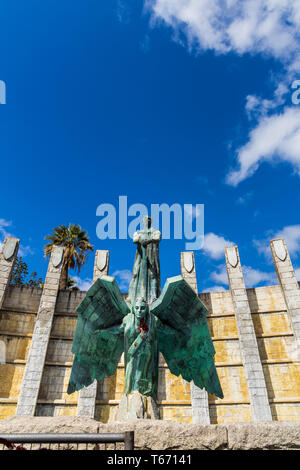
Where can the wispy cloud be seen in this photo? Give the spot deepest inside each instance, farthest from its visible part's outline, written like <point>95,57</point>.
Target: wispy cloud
<point>23,250</point>
<point>145,44</point>
<point>3,227</point>
<point>269,28</point>
<point>275,138</point>
<point>82,284</point>
<point>257,107</point>
<point>220,275</point>
<point>123,12</point>
<point>253,277</point>
<point>242,200</point>
<point>3,231</point>
<point>214,289</point>
<point>291,235</point>
<point>297,273</point>
<point>214,245</point>
<point>123,277</point>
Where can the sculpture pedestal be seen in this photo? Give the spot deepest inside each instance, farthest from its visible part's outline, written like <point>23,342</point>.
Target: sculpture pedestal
<point>135,406</point>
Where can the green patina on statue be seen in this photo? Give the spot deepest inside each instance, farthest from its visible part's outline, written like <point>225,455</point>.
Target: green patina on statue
<point>172,322</point>
<point>146,271</point>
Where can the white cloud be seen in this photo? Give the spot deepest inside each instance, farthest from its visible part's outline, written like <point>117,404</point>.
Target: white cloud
<point>220,275</point>
<point>297,272</point>
<point>275,138</point>
<point>253,277</point>
<point>291,235</point>
<point>145,44</point>
<point>214,245</point>
<point>3,226</point>
<point>242,200</point>
<point>23,250</point>
<point>123,277</point>
<point>257,107</point>
<point>82,284</point>
<point>3,232</point>
<point>214,289</point>
<point>269,27</point>
<point>263,247</point>
<point>123,12</point>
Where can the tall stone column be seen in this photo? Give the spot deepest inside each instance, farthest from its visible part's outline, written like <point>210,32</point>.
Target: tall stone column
<point>260,406</point>
<point>8,257</point>
<point>288,283</point>
<point>41,335</point>
<point>199,397</point>
<point>87,395</point>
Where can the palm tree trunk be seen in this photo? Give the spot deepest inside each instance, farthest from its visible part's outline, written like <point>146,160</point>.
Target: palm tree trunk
<point>64,277</point>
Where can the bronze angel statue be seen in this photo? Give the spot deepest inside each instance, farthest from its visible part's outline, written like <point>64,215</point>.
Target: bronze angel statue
<point>172,322</point>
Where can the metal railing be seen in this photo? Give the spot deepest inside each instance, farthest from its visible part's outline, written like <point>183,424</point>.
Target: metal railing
<point>63,441</point>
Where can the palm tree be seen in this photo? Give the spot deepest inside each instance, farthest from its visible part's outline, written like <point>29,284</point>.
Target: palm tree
<point>77,246</point>
<point>71,284</point>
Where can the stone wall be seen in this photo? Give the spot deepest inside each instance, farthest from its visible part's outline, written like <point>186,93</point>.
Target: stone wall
<point>276,342</point>
<point>168,435</point>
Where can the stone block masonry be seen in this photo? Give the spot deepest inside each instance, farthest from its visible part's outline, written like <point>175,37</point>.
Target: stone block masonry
<point>199,397</point>
<point>87,395</point>
<point>36,358</point>
<point>288,283</point>
<point>8,257</point>
<point>273,330</point>
<point>166,436</point>
<point>259,402</point>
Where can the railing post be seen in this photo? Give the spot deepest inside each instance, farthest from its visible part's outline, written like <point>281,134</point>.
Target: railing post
<point>129,440</point>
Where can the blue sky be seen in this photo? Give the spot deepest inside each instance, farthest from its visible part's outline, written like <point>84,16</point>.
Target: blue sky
<point>164,101</point>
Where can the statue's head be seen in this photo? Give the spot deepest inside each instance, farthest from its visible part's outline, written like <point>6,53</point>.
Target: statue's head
<point>147,221</point>
<point>140,308</point>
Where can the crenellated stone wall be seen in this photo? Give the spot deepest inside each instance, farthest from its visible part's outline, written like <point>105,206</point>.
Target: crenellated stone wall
<point>275,339</point>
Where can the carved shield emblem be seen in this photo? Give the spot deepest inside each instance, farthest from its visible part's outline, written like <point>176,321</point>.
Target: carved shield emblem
<point>188,261</point>
<point>9,248</point>
<point>101,259</point>
<point>57,256</point>
<point>279,249</point>
<point>232,256</point>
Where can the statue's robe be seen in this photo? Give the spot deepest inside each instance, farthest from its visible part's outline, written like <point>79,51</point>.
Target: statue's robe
<point>152,289</point>
<point>141,354</point>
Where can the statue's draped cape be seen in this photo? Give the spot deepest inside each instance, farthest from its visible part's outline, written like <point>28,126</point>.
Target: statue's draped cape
<point>151,270</point>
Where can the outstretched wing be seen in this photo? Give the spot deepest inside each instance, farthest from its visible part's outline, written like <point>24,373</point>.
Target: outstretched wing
<point>98,341</point>
<point>184,338</point>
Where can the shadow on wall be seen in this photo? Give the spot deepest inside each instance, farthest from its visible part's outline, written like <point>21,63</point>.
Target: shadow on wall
<point>2,352</point>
